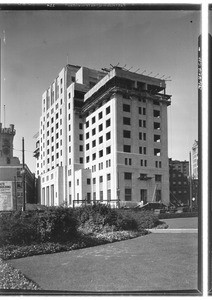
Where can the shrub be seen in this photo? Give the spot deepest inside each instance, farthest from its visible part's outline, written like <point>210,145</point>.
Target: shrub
<point>96,218</point>
<point>21,228</point>
<point>143,219</point>
<point>99,218</point>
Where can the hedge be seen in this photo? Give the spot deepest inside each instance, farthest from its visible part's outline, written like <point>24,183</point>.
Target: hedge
<point>59,225</point>
<point>22,228</point>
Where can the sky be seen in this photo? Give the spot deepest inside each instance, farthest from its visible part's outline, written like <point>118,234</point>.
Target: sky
<point>38,44</point>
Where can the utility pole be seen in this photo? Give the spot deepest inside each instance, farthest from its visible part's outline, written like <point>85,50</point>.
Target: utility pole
<point>190,182</point>
<point>23,175</point>
<point>15,184</point>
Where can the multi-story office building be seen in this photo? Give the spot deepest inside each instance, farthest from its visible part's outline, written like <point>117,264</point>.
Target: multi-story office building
<point>179,182</point>
<point>195,160</point>
<point>103,136</point>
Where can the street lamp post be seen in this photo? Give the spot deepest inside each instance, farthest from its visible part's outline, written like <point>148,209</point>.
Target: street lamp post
<point>23,176</point>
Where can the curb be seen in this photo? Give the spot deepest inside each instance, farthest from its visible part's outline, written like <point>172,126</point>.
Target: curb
<point>174,230</point>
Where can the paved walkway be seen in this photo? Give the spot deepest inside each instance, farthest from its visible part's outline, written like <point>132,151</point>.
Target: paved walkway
<point>164,261</point>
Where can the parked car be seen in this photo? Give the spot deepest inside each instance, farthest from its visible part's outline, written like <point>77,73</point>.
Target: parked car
<point>152,206</point>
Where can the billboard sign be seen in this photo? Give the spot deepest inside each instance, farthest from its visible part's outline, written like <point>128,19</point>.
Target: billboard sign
<point>6,196</point>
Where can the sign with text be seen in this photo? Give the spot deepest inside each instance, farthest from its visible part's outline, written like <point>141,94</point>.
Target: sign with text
<point>6,196</point>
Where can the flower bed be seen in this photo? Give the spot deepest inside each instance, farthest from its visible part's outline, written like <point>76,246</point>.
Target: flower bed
<point>11,278</point>
<point>83,241</point>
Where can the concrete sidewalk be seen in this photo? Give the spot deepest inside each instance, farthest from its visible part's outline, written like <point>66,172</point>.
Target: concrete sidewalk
<point>155,262</point>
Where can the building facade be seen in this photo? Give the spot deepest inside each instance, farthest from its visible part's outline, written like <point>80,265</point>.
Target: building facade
<point>179,182</point>
<point>195,160</point>
<point>103,136</point>
<point>11,170</point>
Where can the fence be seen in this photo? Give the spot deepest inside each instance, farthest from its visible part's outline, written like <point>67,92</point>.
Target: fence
<point>114,203</point>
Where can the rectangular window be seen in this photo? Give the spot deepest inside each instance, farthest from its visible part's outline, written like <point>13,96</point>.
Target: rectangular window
<point>109,194</point>
<point>100,115</point>
<point>100,153</point>
<point>139,110</point>
<point>81,160</point>
<point>87,124</point>
<point>94,156</point>
<point>88,181</point>
<point>158,178</point>
<point>88,197</point>
<point>126,121</point>
<point>126,107</point>
<point>80,125</point>
<point>87,159</point>
<point>108,177</point>
<point>80,147</point>
<point>100,127</point>
<point>94,196</point>
<point>126,134</point>
<point>108,150</point>
<point>157,152</point>
<point>93,120</point>
<point>144,111</point>
<point>100,179</point>
<point>126,148</point>
<point>81,137</point>
<point>93,131</point>
<point>101,195</point>
<point>156,113</point>
<point>94,143</point>
<point>156,126</point>
<point>108,136</point>
<point>107,110</point>
<point>94,180</point>
<point>140,135</point>
<point>144,150</point>
<point>157,138</point>
<point>128,161</point>
<point>87,146</point>
<point>143,195</point>
<point>87,135</point>
<point>108,123</point>
<point>128,194</point>
<point>127,176</point>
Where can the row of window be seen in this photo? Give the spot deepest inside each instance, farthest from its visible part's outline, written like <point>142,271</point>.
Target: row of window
<point>101,152</point>
<point>128,176</point>
<point>93,132</point>
<point>108,164</point>
<point>93,120</point>
<point>142,150</point>
<point>141,123</point>
<point>141,110</point>
<point>93,143</point>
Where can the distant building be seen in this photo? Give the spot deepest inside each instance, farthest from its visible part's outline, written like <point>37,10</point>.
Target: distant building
<point>103,136</point>
<point>195,160</point>
<point>179,182</point>
<point>11,187</point>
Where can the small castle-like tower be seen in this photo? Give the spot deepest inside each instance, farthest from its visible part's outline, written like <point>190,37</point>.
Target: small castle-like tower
<point>6,144</point>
